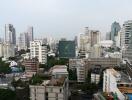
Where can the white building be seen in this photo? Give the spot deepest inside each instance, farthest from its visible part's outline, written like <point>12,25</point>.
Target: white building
<point>53,88</point>
<point>37,49</point>
<point>59,70</point>
<point>126,33</point>
<point>106,43</point>
<point>110,81</point>
<point>115,55</point>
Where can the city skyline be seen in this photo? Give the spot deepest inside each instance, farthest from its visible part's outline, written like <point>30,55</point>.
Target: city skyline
<point>63,18</point>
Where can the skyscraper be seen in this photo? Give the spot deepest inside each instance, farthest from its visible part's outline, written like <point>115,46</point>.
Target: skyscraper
<point>29,35</point>
<point>10,34</point>
<point>126,33</point>
<point>66,49</point>
<point>115,28</point>
<point>23,41</point>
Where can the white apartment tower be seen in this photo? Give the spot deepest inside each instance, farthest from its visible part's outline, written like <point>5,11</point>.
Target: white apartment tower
<point>10,34</point>
<point>126,33</point>
<point>39,50</point>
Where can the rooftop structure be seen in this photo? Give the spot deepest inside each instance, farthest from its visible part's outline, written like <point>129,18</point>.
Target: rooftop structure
<point>52,88</point>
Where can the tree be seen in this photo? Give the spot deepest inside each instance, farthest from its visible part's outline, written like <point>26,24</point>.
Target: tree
<point>72,74</point>
<point>7,94</point>
<point>36,79</point>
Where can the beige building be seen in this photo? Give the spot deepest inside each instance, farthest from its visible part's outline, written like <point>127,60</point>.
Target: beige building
<point>83,65</point>
<point>7,50</point>
<point>55,88</point>
<point>86,41</point>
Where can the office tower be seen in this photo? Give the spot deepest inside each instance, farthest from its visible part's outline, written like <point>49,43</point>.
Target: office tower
<point>115,28</point>
<point>22,41</point>
<point>66,49</point>
<point>38,50</point>
<point>10,34</point>
<point>30,36</point>
<point>126,33</point>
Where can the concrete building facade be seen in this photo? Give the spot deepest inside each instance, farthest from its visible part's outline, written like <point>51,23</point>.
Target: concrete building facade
<point>38,50</point>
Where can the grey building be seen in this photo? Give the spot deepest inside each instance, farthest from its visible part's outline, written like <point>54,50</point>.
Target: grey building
<point>30,36</point>
<point>115,28</point>
<point>10,34</point>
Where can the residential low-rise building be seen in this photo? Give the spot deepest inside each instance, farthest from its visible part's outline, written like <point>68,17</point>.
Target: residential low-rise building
<point>31,65</point>
<point>54,88</point>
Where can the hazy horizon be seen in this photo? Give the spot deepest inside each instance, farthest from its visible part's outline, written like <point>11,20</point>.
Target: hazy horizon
<point>63,18</point>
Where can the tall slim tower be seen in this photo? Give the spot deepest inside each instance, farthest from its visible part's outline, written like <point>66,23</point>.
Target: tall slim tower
<point>115,28</point>
<point>30,36</point>
<point>10,34</point>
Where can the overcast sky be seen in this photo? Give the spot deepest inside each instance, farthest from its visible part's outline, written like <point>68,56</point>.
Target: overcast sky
<point>63,18</point>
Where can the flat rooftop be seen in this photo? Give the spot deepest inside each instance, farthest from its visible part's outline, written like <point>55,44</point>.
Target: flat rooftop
<point>54,82</point>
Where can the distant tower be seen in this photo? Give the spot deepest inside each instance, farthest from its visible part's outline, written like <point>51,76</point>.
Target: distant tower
<point>30,36</point>
<point>10,34</point>
<point>115,28</point>
<point>23,41</point>
<point>86,30</point>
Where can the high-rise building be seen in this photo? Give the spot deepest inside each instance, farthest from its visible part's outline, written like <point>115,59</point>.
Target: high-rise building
<point>90,37</point>
<point>115,28</point>
<point>30,36</point>
<point>22,41</point>
<point>126,33</point>
<point>116,82</point>
<point>86,41</point>
<point>127,52</point>
<point>10,34</point>
<point>66,49</point>
<point>38,50</point>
